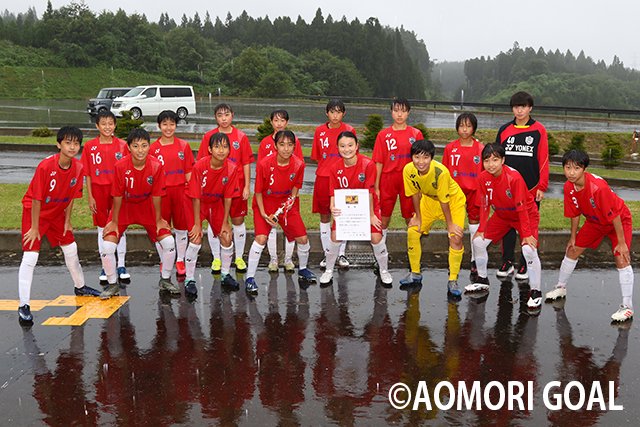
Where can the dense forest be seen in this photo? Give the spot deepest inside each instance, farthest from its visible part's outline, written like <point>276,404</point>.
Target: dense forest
<point>242,55</point>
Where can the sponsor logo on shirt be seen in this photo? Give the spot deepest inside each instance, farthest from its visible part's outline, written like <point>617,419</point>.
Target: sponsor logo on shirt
<point>97,172</point>
<point>392,157</point>
<point>48,199</point>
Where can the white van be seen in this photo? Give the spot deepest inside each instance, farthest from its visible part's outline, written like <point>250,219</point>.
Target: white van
<point>151,100</point>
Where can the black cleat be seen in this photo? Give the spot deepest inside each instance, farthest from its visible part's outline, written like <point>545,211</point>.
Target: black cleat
<point>25,317</point>
<point>86,291</point>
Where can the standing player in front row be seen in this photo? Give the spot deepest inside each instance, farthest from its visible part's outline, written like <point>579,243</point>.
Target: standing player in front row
<point>502,188</point>
<point>606,215</point>
<point>435,196</point>
<point>214,184</point>
<point>279,121</point>
<point>356,170</point>
<point>463,158</point>
<point>46,211</point>
<point>98,159</point>
<point>138,187</point>
<point>275,202</point>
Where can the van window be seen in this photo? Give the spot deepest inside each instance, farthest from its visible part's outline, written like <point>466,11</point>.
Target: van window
<point>150,93</point>
<point>133,92</point>
<point>175,92</point>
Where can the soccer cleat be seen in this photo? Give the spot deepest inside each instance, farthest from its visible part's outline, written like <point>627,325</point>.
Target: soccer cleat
<point>168,286</point>
<point>453,288</point>
<point>180,268</point>
<point>327,277</point>
<point>411,280</point>
<point>557,293</point>
<point>190,287</point>
<point>386,278</point>
<point>289,267</point>
<point>241,266</point>
<point>86,291</point>
<point>273,266</point>
<point>535,298</point>
<point>216,265</point>
<point>229,282</point>
<point>24,315</point>
<point>307,275</point>
<point>623,314</point>
<point>522,274</point>
<point>473,272</point>
<point>375,267</point>
<point>505,270</point>
<point>481,284</point>
<point>123,275</point>
<point>111,290</point>
<point>250,285</point>
<point>323,263</point>
<point>343,262</point>
<point>103,278</point>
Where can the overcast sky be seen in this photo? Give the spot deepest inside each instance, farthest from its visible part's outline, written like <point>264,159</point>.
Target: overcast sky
<point>451,30</point>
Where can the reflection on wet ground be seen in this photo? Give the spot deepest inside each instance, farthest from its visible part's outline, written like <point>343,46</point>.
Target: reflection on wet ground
<point>320,356</point>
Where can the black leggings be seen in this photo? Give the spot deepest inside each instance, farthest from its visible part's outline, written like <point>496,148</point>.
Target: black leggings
<point>509,245</point>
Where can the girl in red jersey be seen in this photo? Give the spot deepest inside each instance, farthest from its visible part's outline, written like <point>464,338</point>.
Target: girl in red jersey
<point>278,181</point>
<point>355,171</point>
<point>503,189</point>
<point>606,216</point>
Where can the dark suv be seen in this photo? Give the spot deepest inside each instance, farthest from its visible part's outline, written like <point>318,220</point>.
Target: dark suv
<point>105,97</point>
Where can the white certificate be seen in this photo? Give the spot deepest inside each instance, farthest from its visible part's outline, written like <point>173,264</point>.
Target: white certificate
<point>354,221</point>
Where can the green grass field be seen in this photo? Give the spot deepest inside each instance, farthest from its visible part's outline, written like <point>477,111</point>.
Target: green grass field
<point>551,217</point>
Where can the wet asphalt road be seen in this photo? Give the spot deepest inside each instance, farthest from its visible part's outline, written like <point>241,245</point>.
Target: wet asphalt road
<point>308,357</point>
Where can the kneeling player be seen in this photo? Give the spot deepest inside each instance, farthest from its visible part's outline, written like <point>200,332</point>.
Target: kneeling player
<point>502,188</point>
<point>138,187</point>
<point>606,215</point>
<point>355,171</point>
<point>275,202</point>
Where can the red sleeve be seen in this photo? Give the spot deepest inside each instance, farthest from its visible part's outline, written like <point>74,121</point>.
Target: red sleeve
<point>299,176</point>
<point>298,150</point>
<point>379,149</point>
<point>159,186</point>
<point>543,161</point>
<point>370,173</point>
<point>332,182</point>
<point>570,202</point>
<point>39,183</point>
<point>261,150</point>
<point>483,202</point>
<point>247,152</point>
<point>81,174</point>
<point>606,202</point>
<point>446,157</point>
<point>232,189</point>
<point>203,151</point>
<point>188,158</point>
<point>315,150</point>
<point>117,188</point>
<point>194,187</point>
<point>84,158</point>
<point>259,184</point>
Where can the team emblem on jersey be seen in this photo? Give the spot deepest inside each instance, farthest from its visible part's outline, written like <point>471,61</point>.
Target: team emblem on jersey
<point>509,195</point>
<point>118,155</point>
<point>48,199</point>
<point>361,177</point>
<point>73,182</point>
<point>236,145</point>
<point>97,172</point>
<point>412,140</point>
<point>392,157</point>
<point>150,180</point>
<point>529,140</point>
<point>181,155</point>
<point>476,160</point>
<point>293,175</point>
<point>593,203</point>
<point>225,180</point>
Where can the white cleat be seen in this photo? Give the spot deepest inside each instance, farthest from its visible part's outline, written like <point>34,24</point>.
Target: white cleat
<point>326,277</point>
<point>557,293</point>
<point>385,277</point>
<point>623,314</point>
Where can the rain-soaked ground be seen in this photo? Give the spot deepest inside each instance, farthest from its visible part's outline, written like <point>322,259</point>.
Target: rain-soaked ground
<point>318,356</point>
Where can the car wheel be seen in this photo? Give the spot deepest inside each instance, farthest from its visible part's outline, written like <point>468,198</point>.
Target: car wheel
<point>102,110</point>
<point>136,113</point>
<point>182,112</point>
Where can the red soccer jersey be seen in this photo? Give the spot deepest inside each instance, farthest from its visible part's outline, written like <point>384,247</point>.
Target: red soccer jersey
<point>99,159</point>
<point>596,201</point>
<point>360,175</point>
<point>54,187</point>
<point>177,160</point>
<point>509,197</point>
<point>393,148</point>
<point>138,186</point>
<point>239,149</point>
<point>464,163</point>
<point>268,148</point>
<point>276,182</point>
<point>213,185</point>
<point>325,146</point>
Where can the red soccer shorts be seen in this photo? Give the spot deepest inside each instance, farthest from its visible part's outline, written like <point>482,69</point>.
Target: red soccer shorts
<point>52,229</point>
<point>497,227</point>
<point>392,187</point>
<point>591,234</point>
<point>290,222</point>
<point>173,207</point>
<point>321,196</point>
<point>142,214</point>
<point>473,208</point>
<point>104,203</point>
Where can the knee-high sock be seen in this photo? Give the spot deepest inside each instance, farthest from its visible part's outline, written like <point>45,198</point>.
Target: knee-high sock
<point>70,252</point>
<point>343,247</point>
<point>239,238</point>
<point>384,235</point>
<point>191,259</point>
<point>272,244</point>
<point>182,240</point>
<point>159,250</point>
<point>455,259</point>
<point>254,258</point>
<point>226,254</point>
<point>303,254</point>
<point>534,268</point>
<point>168,245</point>
<point>625,275</point>
<point>100,239</point>
<point>288,251</point>
<point>332,254</point>
<point>325,236</point>
<point>480,245</point>
<point>109,261</point>
<point>566,268</point>
<point>381,254</point>
<point>472,230</point>
<point>122,249</point>
<point>25,276</point>
<point>414,249</point>
<point>214,243</point>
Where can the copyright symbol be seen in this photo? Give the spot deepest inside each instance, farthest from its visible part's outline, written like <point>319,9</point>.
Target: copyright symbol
<point>399,395</point>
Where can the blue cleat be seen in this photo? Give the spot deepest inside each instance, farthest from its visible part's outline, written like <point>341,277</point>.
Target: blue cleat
<point>229,282</point>
<point>123,276</point>
<point>86,291</point>
<point>190,287</point>
<point>412,279</point>
<point>307,275</point>
<point>453,288</point>
<point>250,286</point>
<point>24,315</point>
